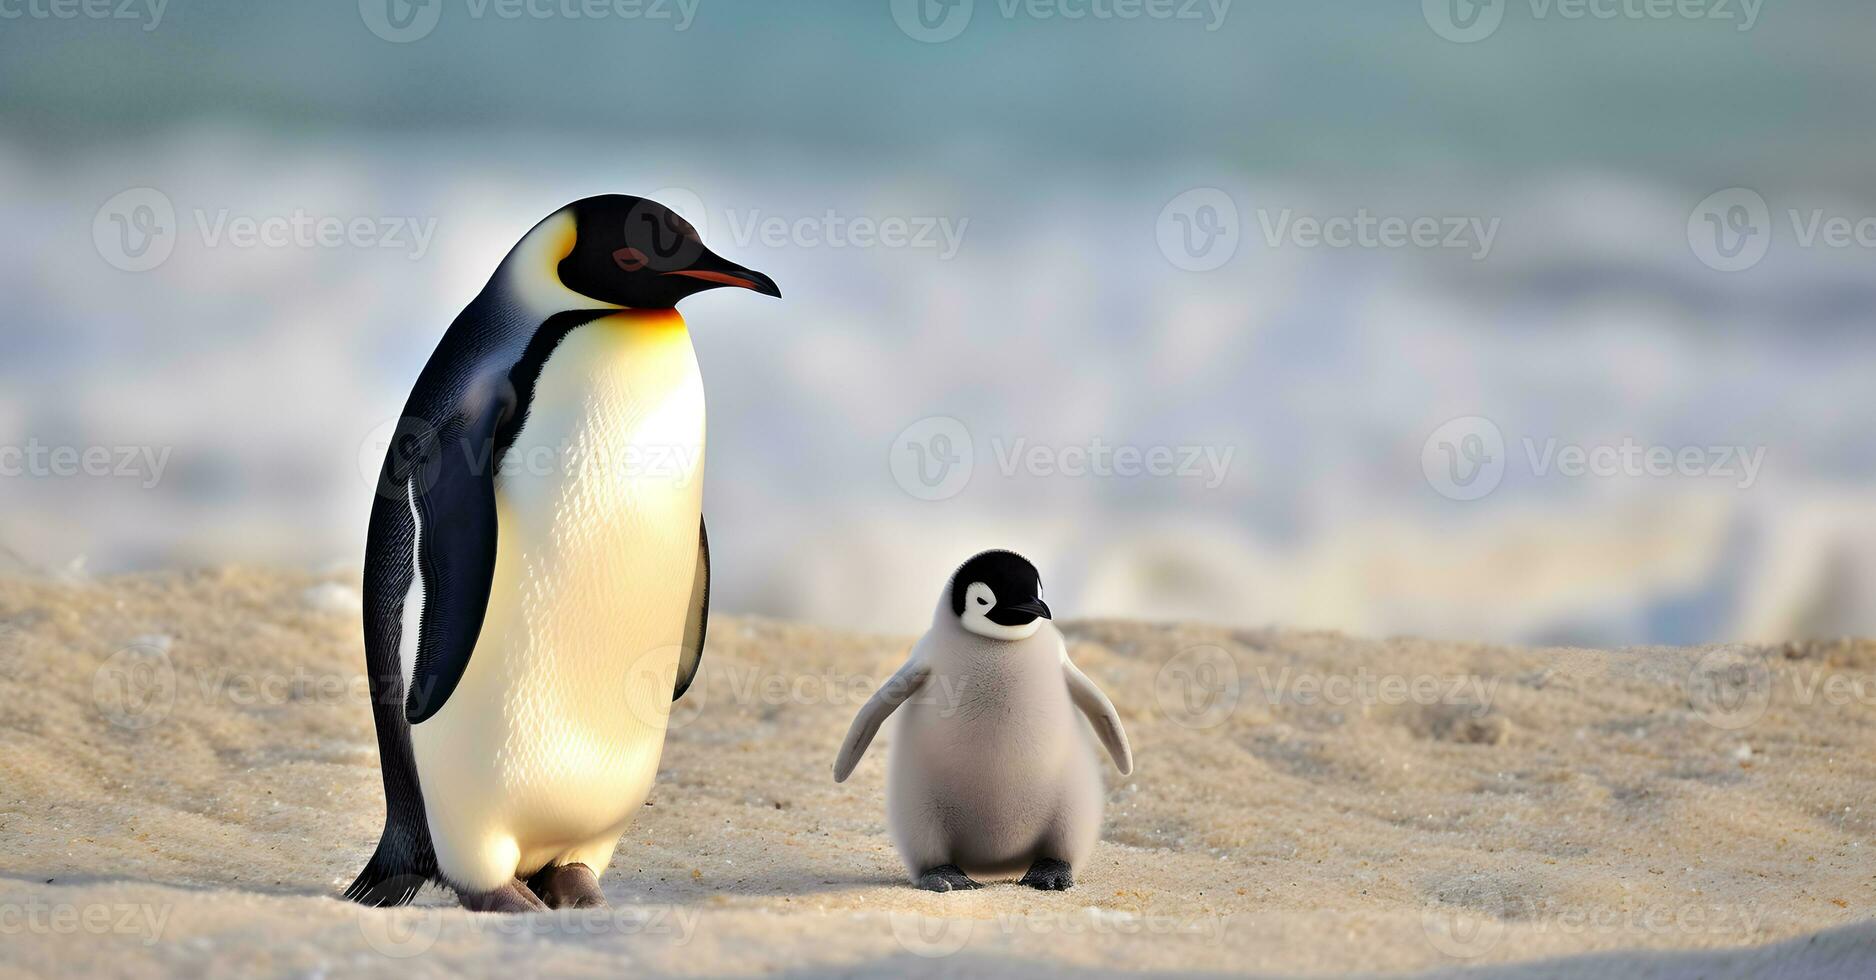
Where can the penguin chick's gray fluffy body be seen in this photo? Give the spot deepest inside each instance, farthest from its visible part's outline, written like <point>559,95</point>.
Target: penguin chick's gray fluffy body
<point>991,774</point>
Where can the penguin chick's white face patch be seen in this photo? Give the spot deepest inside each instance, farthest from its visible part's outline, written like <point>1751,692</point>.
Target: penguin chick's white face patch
<point>978,602</point>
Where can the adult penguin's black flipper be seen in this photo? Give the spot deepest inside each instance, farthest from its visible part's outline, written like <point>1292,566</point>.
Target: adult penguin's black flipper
<point>698,622</point>
<point>439,468</point>
<point>454,489</point>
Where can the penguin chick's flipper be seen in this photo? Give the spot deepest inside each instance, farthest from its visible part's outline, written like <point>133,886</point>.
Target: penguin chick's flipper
<point>873,713</point>
<point>452,494</point>
<point>1049,875</point>
<point>568,886</point>
<point>512,897</point>
<point>1101,714</point>
<point>698,622</point>
<point>946,878</point>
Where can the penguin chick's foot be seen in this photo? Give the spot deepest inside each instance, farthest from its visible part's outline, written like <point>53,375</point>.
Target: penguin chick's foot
<point>568,886</point>
<point>512,897</point>
<point>1049,875</point>
<point>946,878</point>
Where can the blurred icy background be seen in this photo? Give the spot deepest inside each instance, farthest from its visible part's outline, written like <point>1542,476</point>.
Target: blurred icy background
<point>1055,144</point>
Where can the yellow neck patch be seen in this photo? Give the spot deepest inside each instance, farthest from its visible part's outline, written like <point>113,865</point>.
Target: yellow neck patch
<point>645,320</point>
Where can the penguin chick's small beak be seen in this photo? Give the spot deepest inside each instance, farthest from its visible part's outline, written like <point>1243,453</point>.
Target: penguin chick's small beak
<point>721,272</point>
<point>1019,613</point>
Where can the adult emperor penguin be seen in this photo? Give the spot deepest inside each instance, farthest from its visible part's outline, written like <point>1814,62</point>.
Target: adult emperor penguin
<point>537,576</point>
<point>991,773</point>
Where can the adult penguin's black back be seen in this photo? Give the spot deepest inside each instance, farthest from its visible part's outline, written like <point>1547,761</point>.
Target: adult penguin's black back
<point>584,299</point>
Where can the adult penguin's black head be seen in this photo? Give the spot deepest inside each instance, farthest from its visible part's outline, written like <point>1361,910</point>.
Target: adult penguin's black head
<point>634,252</point>
<point>998,594</point>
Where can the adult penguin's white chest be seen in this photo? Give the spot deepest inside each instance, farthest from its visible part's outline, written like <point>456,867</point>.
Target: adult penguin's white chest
<point>555,731</point>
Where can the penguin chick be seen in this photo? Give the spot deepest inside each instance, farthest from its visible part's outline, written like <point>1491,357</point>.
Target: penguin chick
<point>991,773</point>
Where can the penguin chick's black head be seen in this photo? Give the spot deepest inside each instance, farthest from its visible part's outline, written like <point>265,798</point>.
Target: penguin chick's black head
<point>1008,589</point>
<point>637,253</point>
